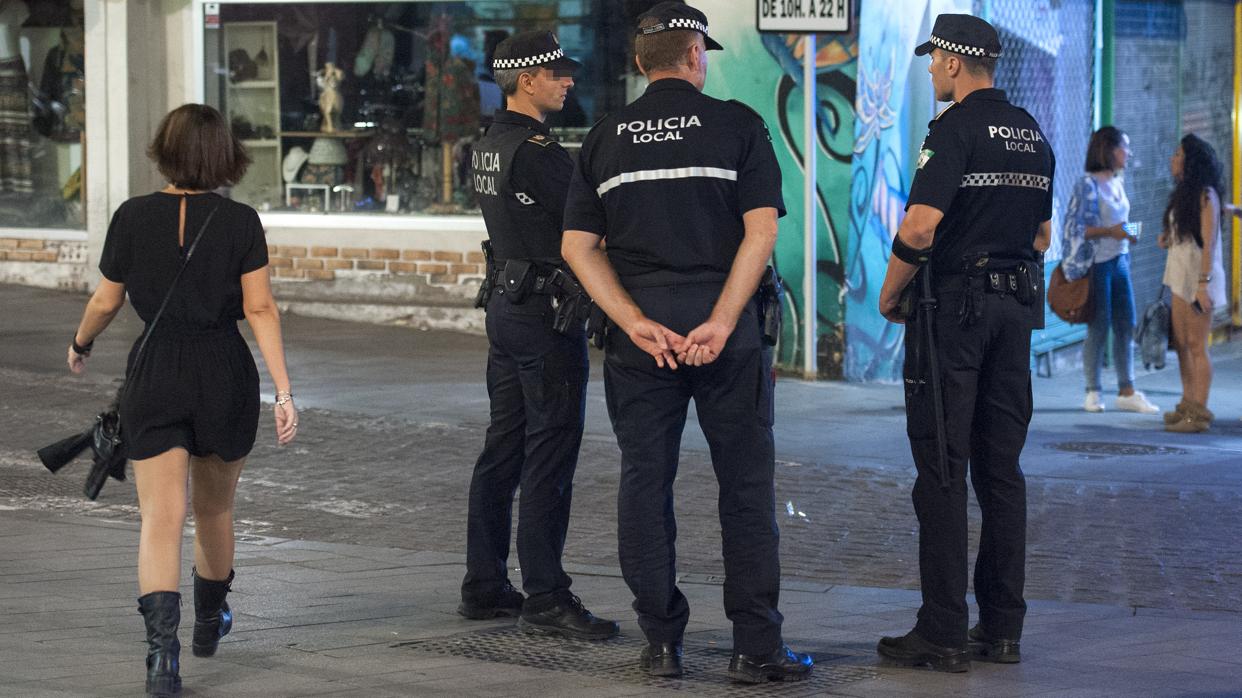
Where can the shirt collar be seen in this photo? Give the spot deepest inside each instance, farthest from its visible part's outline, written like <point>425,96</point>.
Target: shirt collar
<point>505,116</point>
<point>988,94</point>
<point>664,84</point>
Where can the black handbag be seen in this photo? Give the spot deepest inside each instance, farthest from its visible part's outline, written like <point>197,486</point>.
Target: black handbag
<point>105,437</point>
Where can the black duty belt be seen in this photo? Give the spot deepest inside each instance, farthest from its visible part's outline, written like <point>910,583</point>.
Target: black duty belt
<point>518,279</point>
<point>541,282</point>
<point>1004,283</point>
<point>542,285</point>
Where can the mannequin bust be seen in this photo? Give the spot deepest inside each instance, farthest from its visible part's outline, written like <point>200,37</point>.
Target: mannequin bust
<point>330,101</point>
<point>12,14</point>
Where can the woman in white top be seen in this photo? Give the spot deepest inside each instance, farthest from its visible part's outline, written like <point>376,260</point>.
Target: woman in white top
<point>1194,273</point>
<point>1098,212</point>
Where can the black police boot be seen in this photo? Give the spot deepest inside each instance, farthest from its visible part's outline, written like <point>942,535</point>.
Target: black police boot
<point>990,649</point>
<point>561,613</point>
<point>661,659</point>
<point>162,612</point>
<point>505,604</point>
<point>912,650</point>
<point>212,617</point>
<point>782,665</point>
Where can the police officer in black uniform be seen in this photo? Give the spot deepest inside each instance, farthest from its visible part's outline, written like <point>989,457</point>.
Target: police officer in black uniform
<point>536,377</point>
<point>969,253</point>
<point>687,191</point>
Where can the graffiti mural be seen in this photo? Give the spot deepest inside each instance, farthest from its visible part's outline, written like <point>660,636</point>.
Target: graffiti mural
<point>892,106</point>
<point>765,72</point>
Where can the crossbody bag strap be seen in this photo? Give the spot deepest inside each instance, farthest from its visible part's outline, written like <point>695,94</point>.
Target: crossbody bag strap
<point>168,296</point>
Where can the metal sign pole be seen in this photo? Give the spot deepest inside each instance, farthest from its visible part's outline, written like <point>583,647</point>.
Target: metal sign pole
<point>808,19</point>
<point>810,140</point>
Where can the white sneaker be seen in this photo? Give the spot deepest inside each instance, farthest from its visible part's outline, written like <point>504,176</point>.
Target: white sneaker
<point>1093,403</point>
<point>1135,403</point>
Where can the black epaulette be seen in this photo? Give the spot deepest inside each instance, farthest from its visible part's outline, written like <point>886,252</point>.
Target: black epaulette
<point>1024,112</point>
<point>944,111</point>
<point>540,140</point>
<point>758,116</point>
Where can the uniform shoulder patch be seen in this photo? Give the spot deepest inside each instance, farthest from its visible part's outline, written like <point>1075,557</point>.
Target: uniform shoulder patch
<point>756,114</point>
<point>540,140</point>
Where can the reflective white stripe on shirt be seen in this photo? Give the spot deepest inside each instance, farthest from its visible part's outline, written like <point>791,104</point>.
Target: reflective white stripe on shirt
<point>674,173</point>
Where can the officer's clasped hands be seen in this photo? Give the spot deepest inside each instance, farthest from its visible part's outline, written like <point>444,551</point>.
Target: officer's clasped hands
<point>704,343</point>
<point>662,343</point>
<point>702,346</point>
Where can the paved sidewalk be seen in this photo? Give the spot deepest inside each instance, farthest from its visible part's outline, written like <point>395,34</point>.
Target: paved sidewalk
<point>350,560</point>
<point>317,619</point>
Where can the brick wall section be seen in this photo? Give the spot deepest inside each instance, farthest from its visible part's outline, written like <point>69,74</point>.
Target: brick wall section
<point>324,263</point>
<point>292,262</point>
<point>49,251</point>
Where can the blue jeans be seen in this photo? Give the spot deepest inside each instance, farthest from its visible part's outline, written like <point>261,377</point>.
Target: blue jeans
<point>1113,296</point>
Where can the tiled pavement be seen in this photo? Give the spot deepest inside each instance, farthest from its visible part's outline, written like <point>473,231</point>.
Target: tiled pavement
<point>320,619</point>
<point>1135,564</point>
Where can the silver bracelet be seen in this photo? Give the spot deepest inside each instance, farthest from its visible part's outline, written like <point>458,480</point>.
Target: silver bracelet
<point>283,398</point>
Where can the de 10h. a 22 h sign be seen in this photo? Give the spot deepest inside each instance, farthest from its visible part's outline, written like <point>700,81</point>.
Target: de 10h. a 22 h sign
<point>804,16</point>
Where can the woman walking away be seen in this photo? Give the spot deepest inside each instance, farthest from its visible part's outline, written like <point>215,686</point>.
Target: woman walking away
<point>1098,211</point>
<point>197,263</point>
<point>1194,273</point>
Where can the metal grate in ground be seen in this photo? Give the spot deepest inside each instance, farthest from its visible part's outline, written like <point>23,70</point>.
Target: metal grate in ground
<point>1106,448</point>
<point>617,660</point>
<point>68,482</point>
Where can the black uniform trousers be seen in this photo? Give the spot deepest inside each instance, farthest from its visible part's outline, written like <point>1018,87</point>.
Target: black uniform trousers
<point>986,378</point>
<point>733,399</point>
<point>536,379</point>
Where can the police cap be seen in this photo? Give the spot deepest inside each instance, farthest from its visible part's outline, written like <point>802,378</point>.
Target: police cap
<point>964,34</point>
<point>673,15</point>
<point>530,50</point>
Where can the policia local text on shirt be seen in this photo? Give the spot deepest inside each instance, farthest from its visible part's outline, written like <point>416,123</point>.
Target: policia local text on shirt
<point>969,252</point>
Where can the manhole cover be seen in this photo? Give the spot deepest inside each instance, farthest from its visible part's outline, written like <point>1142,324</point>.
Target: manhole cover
<point>617,660</point>
<point>1106,448</point>
<point>66,484</point>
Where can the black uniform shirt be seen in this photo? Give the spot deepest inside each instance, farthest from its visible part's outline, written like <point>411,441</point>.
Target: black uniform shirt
<point>668,178</point>
<point>521,177</point>
<point>542,171</point>
<point>987,166</point>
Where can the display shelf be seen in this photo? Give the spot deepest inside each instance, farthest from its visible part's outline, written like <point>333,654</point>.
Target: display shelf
<point>255,101</point>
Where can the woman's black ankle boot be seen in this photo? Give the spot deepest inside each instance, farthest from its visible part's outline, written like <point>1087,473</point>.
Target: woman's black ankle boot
<point>162,612</point>
<point>212,617</point>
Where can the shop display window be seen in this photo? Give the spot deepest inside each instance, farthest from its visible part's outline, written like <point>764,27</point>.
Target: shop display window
<point>42,114</point>
<point>372,107</point>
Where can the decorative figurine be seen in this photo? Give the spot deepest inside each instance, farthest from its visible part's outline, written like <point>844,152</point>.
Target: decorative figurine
<point>330,102</point>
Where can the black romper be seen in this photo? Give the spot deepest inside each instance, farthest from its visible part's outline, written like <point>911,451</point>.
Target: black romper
<point>196,385</point>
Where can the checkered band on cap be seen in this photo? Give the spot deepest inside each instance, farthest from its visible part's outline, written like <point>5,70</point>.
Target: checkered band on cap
<point>510,63</point>
<point>680,23</point>
<point>960,48</point>
<point>1006,179</point>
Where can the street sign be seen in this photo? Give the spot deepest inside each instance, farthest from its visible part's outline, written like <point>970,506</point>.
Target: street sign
<point>805,16</point>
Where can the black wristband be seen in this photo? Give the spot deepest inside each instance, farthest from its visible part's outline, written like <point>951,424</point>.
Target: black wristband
<point>908,254</point>
<point>81,350</point>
